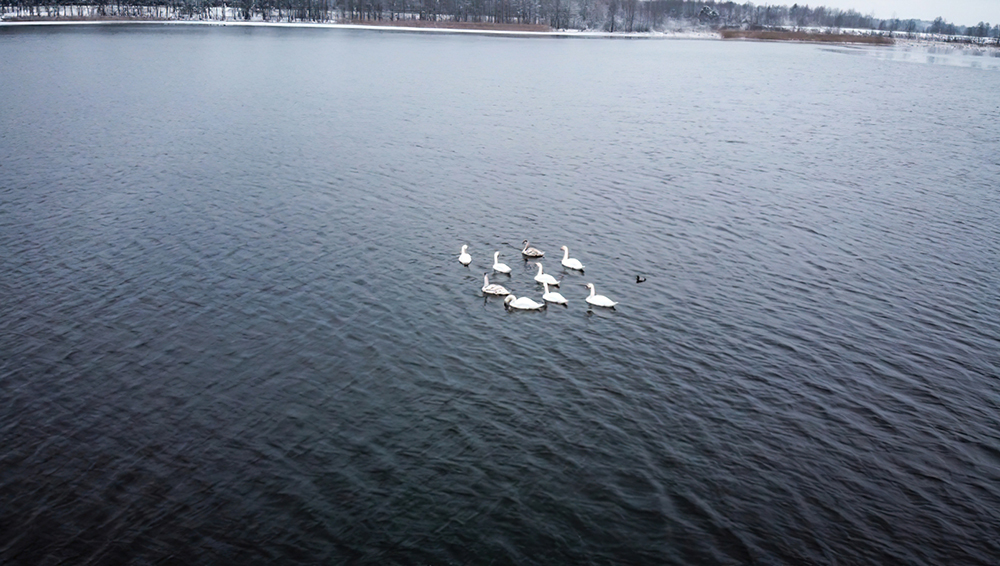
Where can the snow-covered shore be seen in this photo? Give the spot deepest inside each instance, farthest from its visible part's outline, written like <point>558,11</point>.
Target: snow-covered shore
<point>677,30</point>
<point>230,16</point>
<point>679,34</point>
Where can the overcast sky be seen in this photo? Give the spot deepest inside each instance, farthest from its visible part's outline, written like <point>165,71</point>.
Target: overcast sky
<point>962,12</point>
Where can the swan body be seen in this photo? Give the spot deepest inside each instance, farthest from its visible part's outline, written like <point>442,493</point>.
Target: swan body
<point>570,262</point>
<point>553,297</point>
<point>499,267</point>
<point>522,303</point>
<point>545,277</point>
<point>493,289</point>
<point>464,258</point>
<point>531,252</point>
<point>598,300</point>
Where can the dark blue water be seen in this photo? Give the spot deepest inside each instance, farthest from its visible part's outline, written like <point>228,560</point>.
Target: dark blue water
<point>234,330</point>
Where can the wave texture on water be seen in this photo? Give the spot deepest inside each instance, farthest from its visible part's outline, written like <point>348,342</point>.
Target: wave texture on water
<point>235,330</point>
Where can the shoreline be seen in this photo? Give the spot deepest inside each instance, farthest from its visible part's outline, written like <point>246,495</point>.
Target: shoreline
<point>510,30</point>
<point>380,26</point>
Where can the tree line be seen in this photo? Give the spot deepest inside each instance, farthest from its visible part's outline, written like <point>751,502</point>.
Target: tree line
<point>607,15</point>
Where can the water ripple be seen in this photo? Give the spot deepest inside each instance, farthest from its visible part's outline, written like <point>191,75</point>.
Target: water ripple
<point>234,329</point>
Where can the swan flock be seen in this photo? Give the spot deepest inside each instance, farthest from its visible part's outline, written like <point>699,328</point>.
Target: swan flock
<point>512,302</point>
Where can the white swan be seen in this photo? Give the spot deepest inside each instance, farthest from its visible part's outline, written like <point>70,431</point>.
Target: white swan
<point>523,303</point>
<point>553,297</point>
<point>599,300</point>
<point>570,262</point>
<point>464,258</point>
<point>545,277</point>
<point>531,252</point>
<point>499,267</point>
<point>493,289</point>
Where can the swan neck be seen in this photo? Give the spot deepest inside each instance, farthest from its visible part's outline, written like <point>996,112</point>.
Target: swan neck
<point>565,254</point>
<point>593,291</point>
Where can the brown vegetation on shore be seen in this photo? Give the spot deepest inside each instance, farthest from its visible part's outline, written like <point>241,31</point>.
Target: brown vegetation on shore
<point>773,35</point>
<point>487,26</point>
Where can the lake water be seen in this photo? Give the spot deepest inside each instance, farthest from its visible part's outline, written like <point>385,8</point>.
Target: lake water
<point>234,330</point>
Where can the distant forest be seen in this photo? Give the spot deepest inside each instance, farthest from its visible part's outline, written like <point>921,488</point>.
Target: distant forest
<point>607,15</point>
